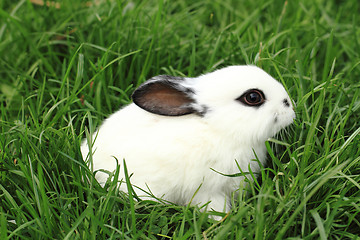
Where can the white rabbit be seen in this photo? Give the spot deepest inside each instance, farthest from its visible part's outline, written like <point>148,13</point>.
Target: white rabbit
<point>179,130</point>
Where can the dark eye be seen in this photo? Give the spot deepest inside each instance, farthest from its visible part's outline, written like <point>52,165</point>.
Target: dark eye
<point>252,97</point>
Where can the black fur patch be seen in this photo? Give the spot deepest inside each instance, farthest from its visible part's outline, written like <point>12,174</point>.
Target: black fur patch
<point>140,97</point>
<point>203,111</point>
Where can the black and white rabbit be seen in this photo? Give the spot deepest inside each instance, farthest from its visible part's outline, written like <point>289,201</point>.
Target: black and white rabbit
<point>179,129</point>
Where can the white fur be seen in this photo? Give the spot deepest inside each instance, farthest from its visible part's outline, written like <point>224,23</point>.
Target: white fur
<point>173,156</point>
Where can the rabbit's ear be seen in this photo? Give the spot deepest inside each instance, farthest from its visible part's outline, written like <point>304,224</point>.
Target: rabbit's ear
<point>165,95</point>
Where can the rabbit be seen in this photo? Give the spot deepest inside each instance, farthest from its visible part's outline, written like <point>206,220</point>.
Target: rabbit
<point>181,136</point>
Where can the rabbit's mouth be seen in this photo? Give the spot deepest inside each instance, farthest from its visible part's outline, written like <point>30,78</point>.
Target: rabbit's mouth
<point>276,118</point>
<point>282,120</point>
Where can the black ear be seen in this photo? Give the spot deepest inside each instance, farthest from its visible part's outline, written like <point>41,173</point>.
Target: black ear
<point>164,95</point>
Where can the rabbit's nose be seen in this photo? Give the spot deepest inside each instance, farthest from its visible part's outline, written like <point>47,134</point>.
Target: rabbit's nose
<point>289,103</point>
<point>286,102</point>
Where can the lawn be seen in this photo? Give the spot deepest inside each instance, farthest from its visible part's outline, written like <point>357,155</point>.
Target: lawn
<point>66,66</point>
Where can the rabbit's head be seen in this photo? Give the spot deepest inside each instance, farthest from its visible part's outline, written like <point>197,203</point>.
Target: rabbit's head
<point>242,102</point>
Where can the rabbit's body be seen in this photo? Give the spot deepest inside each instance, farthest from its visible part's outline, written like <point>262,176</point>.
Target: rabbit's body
<point>173,172</point>
<point>173,153</point>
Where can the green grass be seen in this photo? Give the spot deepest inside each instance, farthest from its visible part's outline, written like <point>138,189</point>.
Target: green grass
<point>62,71</point>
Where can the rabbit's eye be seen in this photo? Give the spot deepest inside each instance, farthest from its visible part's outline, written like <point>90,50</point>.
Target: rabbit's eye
<point>252,97</point>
